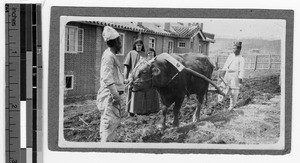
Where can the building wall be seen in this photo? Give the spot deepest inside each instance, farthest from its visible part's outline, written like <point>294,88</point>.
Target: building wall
<point>192,45</point>
<point>198,41</point>
<point>128,44</point>
<point>159,42</point>
<point>86,66</point>
<point>82,65</point>
<point>207,48</point>
<point>165,45</point>
<point>100,47</point>
<point>186,49</point>
<point>204,48</point>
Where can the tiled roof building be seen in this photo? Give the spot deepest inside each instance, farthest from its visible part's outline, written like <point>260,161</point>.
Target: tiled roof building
<point>84,46</point>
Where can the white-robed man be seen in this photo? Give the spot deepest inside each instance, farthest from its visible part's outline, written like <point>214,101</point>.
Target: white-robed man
<point>111,85</point>
<point>233,70</point>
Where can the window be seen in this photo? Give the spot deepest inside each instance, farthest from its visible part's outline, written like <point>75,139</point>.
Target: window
<point>74,39</point>
<point>152,42</point>
<point>181,44</point>
<point>122,38</point>
<point>69,82</point>
<point>170,47</point>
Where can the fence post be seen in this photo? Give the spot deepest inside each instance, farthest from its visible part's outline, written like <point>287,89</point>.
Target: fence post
<point>269,61</point>
<point>255,63</point>
<point>216,62</point>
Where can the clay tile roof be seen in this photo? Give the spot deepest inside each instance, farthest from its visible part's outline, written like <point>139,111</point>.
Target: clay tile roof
<point>185,31</point>
<point>176,30</point>
<point>154,28</point>
<point>209,35</point>
<point>119,25</point>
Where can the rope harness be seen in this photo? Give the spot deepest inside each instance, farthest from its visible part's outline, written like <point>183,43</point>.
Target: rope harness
<point>135,69</point>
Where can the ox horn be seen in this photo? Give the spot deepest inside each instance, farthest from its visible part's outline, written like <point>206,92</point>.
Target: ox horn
<point>208,80</point>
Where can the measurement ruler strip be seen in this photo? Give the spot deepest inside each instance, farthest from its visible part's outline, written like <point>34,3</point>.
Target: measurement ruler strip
<point>28,31</point>
<point>12,15</point>
<point>39,84</point>
<point>34,84</point>
<point>23,77</point>
<point>23,85</point>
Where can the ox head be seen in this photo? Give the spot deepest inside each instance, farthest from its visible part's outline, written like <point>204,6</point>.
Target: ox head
<point>143,74</point>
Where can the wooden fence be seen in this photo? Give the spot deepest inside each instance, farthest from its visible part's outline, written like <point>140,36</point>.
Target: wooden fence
<point>252,62</point>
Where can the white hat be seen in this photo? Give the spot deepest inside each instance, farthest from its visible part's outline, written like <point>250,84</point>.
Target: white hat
<point>109,33</point>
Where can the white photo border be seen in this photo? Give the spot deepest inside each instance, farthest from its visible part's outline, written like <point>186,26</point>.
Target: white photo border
<point>62,144</point>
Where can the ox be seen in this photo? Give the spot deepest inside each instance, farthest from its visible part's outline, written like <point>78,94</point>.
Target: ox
<point>173,85</point>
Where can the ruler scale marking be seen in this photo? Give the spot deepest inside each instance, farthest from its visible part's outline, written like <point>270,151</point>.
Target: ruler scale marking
<point>13,22</point>
<point>39,83</point>
<point>23,44</point>
<point>29,81</point>
<point>23,107</point>
<point>23,49</point>
<point>34,140</point>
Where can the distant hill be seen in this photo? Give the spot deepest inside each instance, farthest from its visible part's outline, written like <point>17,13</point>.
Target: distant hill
<point>250,46</point>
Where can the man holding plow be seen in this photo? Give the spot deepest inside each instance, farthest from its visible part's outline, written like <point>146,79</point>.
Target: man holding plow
<point>233,73</point>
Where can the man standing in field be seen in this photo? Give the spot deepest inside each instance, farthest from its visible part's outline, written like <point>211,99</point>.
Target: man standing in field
<point>233,73</point>
<point>111,85</point>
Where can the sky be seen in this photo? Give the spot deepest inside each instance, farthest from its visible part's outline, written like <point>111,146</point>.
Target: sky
<point>268,29</point>
<point>245,28</point>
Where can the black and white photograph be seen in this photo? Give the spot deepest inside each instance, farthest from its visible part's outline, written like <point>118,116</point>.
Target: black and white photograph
<point>135,81</point>
<point>167,84</point>
<point>157,81</point>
